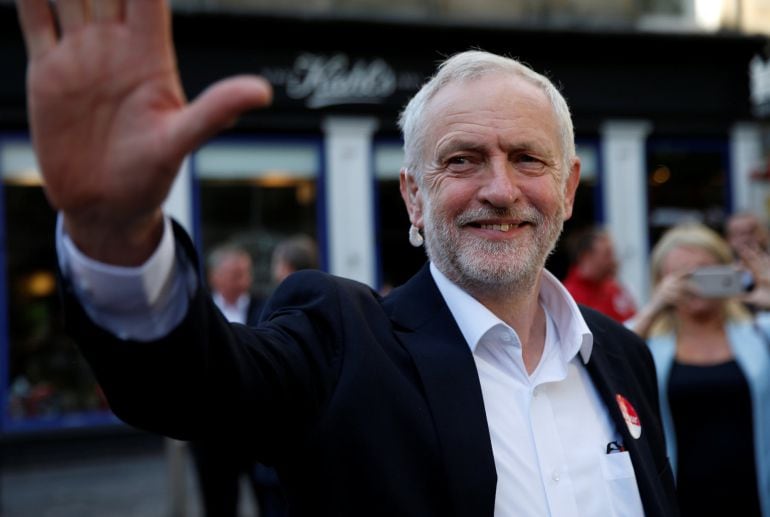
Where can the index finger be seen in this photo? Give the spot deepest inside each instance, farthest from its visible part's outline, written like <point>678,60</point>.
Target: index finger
<point>38,26</point>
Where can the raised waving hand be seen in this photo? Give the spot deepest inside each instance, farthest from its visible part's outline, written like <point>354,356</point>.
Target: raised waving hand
<point>109,120</point>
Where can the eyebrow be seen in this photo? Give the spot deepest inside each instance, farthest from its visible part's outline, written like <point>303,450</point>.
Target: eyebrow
<point>455,145</point>
<point>460,143</point>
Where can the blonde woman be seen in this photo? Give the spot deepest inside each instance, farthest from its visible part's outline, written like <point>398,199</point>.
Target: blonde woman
<point>713,366</point>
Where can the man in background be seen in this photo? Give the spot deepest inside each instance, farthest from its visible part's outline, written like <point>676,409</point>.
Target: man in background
<point>230,275</point>
<point>746,231</point>
<point>290,255</point>
<point>222,463</point>
<point>592,277</point>
<point>293,254</point>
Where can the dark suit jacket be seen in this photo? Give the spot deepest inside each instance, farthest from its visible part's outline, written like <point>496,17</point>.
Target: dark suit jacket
<point>374,404</point>
<point>254,311</point>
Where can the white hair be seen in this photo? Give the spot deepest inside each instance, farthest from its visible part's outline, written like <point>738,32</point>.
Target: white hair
<point>473,64</point>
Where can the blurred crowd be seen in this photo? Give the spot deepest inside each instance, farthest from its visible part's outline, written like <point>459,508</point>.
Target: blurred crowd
<point>707,324</point>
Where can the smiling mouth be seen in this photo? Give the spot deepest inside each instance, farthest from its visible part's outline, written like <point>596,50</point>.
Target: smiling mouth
<point>501,227</point>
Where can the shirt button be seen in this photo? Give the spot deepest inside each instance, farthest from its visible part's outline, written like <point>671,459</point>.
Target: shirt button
<point>555,476</point>
<point>506,337</point>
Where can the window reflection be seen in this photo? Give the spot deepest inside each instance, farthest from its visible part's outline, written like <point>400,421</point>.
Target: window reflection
<point>398,260</point>
<point>256,215</point>
<point>255,194</point>
<point>687,181</point>
<point>47,380</point>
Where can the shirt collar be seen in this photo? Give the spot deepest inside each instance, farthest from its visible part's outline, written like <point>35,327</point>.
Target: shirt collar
<point>475,320</point>
<point>240,305</point>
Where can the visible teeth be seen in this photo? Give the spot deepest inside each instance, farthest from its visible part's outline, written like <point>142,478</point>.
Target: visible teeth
<point>497,227</point>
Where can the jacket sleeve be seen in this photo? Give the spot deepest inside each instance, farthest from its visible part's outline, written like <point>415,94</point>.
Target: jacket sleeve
<point>209,377</point>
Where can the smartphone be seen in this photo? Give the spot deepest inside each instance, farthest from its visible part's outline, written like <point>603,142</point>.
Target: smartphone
<point>718,281</point>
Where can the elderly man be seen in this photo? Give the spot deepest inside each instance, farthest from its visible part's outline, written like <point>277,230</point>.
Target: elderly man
<point>221,463</point>
<point>477,388</point>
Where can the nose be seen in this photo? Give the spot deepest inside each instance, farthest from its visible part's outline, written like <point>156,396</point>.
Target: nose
<point>500,187</point>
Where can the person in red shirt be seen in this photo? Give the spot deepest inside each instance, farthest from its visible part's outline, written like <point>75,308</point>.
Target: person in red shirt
<point>591,279</point>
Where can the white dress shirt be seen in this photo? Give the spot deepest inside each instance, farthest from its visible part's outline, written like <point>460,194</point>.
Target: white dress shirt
<point>237,312</point>
<point>141,303</point>
<point>549,430</point>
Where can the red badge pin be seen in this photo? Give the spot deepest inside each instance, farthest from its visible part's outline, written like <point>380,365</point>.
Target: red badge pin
<point>630,416</point>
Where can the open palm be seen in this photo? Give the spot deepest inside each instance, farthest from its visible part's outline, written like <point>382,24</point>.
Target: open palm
<point>108,115</point>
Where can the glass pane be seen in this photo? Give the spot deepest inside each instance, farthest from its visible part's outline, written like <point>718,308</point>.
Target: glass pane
<point>687,180</point>
<point>398,259</point>
<point>49,384</point>
<point>247,160</point>
<point>256,195</point>
<point>585,211</point>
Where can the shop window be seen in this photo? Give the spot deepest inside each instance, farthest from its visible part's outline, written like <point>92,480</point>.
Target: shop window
<point>587,208</point>
<point>687,181</point>
<point>398,260</point>
<point>46,383</point>
<point>255,194</point>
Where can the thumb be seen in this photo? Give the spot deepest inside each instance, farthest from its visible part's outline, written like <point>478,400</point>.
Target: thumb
<point>217,108</point>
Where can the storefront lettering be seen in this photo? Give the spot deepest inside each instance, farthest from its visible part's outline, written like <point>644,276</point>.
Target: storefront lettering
<point>333,80</point>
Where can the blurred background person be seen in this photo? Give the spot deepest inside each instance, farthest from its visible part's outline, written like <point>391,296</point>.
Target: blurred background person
<point>289,255</point>
<point>231,278</point>
<point>222,464</point>
<point>292,254</point>
<point>746,229</point>
<point>592,276</point>
<point>713,366</point>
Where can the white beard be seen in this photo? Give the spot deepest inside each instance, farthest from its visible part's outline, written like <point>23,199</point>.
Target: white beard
<point>498,266</point>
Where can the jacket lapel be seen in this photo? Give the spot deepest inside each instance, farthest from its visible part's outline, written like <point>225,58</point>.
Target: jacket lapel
<point>448,373</point>
<point>604,369</point>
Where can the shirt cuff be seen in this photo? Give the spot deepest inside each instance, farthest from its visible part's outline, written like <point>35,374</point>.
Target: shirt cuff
<point>141,303</point>
<point>117,288</point>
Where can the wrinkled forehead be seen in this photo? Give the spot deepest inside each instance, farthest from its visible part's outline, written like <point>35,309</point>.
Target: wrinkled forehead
<point>484,89</point>
<point>495,101</point>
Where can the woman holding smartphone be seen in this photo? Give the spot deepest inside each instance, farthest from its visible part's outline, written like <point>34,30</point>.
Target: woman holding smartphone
<point>713,363</point>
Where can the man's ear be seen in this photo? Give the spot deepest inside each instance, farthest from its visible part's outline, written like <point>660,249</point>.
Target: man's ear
<point>570,187</point>
<point>410,193</point>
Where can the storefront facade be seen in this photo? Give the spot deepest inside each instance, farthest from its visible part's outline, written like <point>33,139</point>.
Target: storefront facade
<point>664,124</point>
